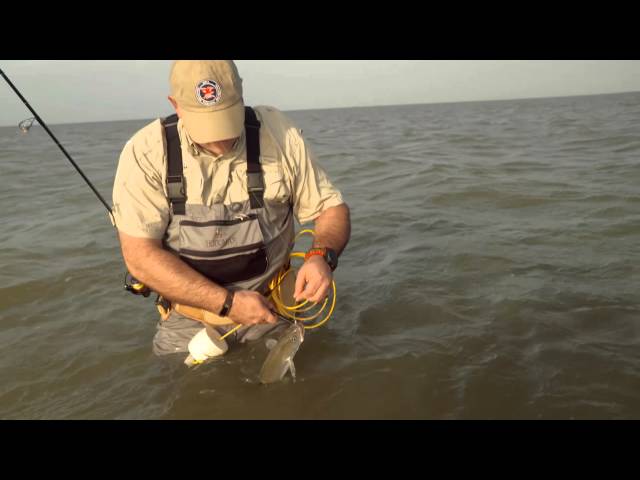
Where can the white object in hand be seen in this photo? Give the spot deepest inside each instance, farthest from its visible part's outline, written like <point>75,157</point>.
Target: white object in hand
<point>204,345</point>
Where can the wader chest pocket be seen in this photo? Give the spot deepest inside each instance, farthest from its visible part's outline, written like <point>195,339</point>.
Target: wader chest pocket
<point>224,251</point>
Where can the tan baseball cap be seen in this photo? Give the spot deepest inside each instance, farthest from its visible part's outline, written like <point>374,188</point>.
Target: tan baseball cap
<point>209,94</point>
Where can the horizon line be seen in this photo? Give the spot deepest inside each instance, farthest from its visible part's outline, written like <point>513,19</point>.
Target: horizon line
<point>372,106</point>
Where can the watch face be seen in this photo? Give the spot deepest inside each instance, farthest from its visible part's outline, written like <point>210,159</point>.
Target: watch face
<point>332,258</point>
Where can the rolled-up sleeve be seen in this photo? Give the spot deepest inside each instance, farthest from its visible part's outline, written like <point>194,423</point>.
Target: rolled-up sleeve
<point>313,192</point>
<point>140,206</point>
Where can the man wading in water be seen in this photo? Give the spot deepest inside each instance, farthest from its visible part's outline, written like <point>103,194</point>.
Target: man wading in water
<point>204,205</point>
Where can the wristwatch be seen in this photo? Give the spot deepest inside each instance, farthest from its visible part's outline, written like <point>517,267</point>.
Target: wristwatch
<point>330,256</point>
<point>228,302</point>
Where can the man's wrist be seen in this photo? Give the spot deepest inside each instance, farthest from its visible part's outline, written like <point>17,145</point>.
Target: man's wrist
<point>228,303</point>
<point>329,255</point>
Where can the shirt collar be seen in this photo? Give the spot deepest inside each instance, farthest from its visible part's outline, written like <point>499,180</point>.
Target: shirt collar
<point>197,151</point>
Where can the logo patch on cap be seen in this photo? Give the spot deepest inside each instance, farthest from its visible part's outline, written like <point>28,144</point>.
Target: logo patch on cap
<point>208,93</point>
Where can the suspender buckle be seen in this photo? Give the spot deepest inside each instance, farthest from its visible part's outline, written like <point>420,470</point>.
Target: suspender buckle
<point>175,187</point>
<point>255,182</point>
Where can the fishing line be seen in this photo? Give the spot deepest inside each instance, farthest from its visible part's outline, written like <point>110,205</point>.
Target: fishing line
<point>291,313</point>
<point>25,125</point>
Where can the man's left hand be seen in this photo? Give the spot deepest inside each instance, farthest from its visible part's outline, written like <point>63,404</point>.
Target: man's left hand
<point>313,280</point>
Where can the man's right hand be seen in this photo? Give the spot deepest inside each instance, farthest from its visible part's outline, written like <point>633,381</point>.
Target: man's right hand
<point>250,308</point>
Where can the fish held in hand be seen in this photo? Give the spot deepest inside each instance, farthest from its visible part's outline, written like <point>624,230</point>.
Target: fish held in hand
<point>280,358</point>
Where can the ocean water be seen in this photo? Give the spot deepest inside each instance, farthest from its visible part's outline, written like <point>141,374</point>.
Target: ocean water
<point>493,273</point>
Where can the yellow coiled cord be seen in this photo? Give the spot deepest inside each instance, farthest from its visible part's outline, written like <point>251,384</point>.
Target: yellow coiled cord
<point>293,311</point>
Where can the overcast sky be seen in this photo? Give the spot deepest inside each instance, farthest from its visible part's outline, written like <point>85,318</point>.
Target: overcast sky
<point>84,91</point>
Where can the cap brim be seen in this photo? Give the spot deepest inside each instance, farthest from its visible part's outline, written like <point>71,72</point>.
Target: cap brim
<point>205,127</point>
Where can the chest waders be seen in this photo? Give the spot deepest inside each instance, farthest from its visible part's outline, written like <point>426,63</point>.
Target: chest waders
<point>238,246</point>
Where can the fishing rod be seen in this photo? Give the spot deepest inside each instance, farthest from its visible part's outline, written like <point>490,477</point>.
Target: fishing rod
<point>41,122</point>
<point>134,286</point>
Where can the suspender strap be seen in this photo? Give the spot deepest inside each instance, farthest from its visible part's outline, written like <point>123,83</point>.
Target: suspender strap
<point>255,180</point>
<point>175,180</point>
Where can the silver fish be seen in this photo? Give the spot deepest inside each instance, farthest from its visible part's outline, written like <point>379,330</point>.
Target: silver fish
<point>280,358</point>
